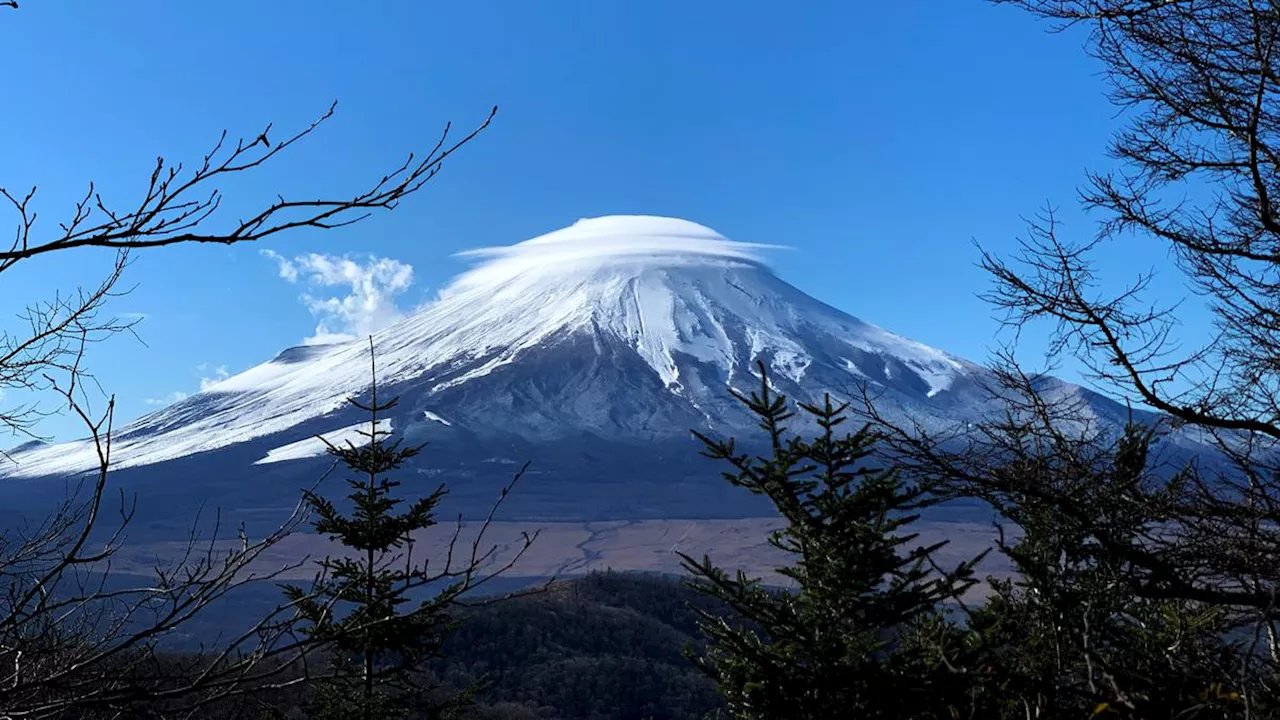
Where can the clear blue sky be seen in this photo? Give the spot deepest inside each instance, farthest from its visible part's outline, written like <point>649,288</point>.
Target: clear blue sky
<point>878,139</point>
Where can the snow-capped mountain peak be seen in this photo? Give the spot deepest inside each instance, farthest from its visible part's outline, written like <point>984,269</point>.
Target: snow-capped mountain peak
<point>620,326</point>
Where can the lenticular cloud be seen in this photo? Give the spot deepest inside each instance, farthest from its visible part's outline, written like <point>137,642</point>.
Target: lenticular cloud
<point>609,240</point>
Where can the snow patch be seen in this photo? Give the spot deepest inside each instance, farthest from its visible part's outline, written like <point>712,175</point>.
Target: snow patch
<point>434,417</point>
<point>314,447</point>
<point>852,367</point>
<point>791,363</point>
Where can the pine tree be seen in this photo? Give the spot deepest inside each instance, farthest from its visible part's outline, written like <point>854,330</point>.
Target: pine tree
<point>827,647</point>
<point>363,604</point>
<point>1069,637</point>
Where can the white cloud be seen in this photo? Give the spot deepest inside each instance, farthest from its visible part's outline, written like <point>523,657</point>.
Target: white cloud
<point>596,241</point>
<point>219,374</point>
<point>369,303</point>
<point>207,381</point>
<point>169,399</point>
<point>288,270</point>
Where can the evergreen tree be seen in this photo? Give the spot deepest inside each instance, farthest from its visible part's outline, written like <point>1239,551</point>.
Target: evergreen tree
<point>829,646</point>
<point>1068,636</point>
<point>363,604</point>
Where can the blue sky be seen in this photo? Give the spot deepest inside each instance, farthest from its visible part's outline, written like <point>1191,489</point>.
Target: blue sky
<point>878,139</point>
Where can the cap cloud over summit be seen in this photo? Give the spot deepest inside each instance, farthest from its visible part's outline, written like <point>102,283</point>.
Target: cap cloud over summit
<point>610,240</point>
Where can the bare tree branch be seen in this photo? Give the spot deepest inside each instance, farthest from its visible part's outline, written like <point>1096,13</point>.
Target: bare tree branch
<point>178,206</point>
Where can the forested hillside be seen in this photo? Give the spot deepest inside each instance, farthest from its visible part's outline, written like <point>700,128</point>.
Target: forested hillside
<point>607,645</point>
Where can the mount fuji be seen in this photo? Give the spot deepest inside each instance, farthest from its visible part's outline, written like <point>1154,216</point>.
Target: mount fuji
<point>590,351</point>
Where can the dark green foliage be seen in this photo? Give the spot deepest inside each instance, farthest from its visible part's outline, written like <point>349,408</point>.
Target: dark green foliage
<point>1070,635</point>
<point>864,631</point>
<point>826,647</point>
<point>362,604</point>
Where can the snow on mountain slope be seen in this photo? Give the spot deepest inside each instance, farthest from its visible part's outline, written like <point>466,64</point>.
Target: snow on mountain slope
<point>316,446</point>
<point>612,326</point>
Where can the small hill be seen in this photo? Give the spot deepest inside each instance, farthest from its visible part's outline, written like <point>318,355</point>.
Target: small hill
<point>607,645</point>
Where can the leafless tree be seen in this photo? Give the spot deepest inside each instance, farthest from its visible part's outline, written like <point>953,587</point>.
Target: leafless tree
<point>1200,155</point>
<point>1199,173</point>
<point>73,643</point>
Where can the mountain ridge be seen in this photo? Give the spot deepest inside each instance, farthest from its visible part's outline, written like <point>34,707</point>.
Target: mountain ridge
<point>616,332</point>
